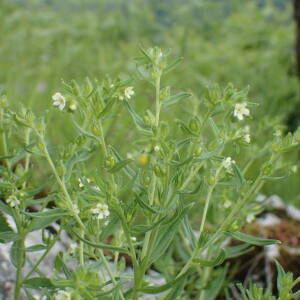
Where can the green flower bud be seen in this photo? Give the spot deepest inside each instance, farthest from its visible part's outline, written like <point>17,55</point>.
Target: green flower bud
<point>194,124</point>
<point>109,161</point>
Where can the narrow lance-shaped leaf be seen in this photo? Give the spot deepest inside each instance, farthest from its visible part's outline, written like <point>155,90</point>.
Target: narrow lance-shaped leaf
<point>176,98</point>
<point>43,219</point>
<point>99,245</point>
<point>253,240</point>
<point>164,287</point>
<point>211,263</point>
<point>120,165</point>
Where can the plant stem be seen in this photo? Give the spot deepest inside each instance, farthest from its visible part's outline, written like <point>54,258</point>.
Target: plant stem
<point>59,180</point>
<point>50,246</point>
<point>20,262</point>
<point>111,275</point>
<point>157,100</point>
<point>207,201</point>
<point>3,137</point>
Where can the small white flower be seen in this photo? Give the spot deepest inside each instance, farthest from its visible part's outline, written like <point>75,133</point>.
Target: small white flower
<point>250,218</point>
<point>247,138</point>
<point>133,238</point>
<point>59,101</point>
<point>62,295</point>
<point>101,211</point>
<point>128,93</point>
<point>129,155</point>
<point>80,183</point>
<point>241,110</point>
<point>72,248</point>
<point>227,204</point>
<point>277,133</point>
<point>76,209</point>
<point>12,201</point>
<point>227,164</point>
<point>156,148</point>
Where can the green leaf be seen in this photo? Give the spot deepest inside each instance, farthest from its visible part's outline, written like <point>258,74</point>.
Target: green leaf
<point>144,205</point>
<point>215,285</point>
<point>127,170</point>
<point>6,208</point>
<point>238,174</point>
<point>280,275</point>
<point>165,236</point>
<point>14,254</point>
<point>210,154</point>
<point>100,245</point>
<point>35,248</point>
<point>8,236</point>
<point>83,132</point>
<point>43,219</point>
<point>107,108</point>
<point>80,156</point>
<point>185,128</point>
<point>176,98</point>
<point>173,65</point>
<point>4,226</point>
<point>252,240</point>
<point>38,283</point>
<point>189,231</point>
<point>110,228</point>
<point>120,165</point>
<point>144,228</point>
<point>211,263</point>
<point>164,287</point>
<point>142,127</point>
<point>235,251</point>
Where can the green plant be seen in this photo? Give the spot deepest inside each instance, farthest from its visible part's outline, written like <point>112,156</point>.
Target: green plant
<point>285,285</point>
<point>143,203</point>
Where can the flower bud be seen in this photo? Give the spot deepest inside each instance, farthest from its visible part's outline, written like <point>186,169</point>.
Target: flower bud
<point>109,161</point>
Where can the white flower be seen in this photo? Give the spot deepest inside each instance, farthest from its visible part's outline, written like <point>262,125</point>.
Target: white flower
<point>133,238</point>
<point>128,93</point>
<point>59,101</point>
<point>62,295</point>
<point>76,209</point>
<point>240,110</point>
<point>250,218</point>
<point>80,183</point>
<point>101,211</point>
<point>247,138</point>
<point>72,248</point>
<point>227,164</point>
<point>227,204</point>
<point>277,133</point>
<point>12,201</point>
<point>156,148</point>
